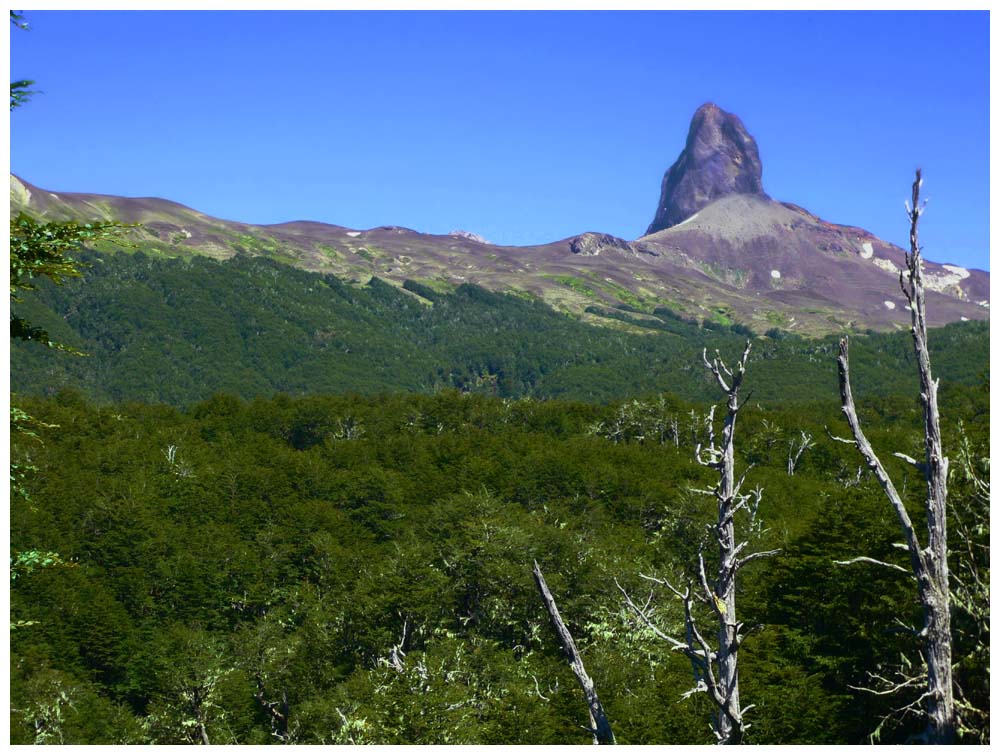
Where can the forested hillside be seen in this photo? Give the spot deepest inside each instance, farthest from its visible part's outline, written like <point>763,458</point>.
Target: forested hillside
<point>241,572</point>
<point>175,331</point>
<point>286,508</point>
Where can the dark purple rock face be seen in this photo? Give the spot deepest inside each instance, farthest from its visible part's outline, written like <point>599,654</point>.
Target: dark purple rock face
<point>719,158</point>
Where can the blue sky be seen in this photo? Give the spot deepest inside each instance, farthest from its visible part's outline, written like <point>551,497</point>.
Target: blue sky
<point>525,127</point>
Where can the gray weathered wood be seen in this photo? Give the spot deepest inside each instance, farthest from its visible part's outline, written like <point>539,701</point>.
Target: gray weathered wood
<point>599,725</point>
<point>716,669</point>
<point>930,564</point>
<point>721,594</point>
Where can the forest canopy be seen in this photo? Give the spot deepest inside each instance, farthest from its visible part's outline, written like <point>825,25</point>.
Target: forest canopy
<point>275,551</point>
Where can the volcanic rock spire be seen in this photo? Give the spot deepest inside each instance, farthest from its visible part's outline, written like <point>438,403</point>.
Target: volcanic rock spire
<point>720,158</point>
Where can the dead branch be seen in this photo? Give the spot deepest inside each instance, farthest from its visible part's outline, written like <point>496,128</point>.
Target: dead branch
<point>397,654</point>
<point>875,561</point>
<point>794,455</point>
<point>874,463</point>
<point>715,670</point>
<point>929,565</point>
<point>599,725</point>
<point>754,556</point>
<point>643,614</point>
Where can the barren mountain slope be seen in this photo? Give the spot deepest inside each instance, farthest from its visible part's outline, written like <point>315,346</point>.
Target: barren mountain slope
<point>719,249</point>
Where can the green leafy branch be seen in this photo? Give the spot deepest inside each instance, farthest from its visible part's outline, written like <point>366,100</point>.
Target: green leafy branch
<point>23,563</point>
<point>43,250</point>
<point>20,91</point>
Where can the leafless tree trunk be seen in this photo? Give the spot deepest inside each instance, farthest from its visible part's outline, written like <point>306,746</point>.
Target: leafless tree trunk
<point>716,670</point>
<point>794,455</point>
<point>599,725</point>
<point>729,728</point>
<point>397,653</point>
<point>930,564</point>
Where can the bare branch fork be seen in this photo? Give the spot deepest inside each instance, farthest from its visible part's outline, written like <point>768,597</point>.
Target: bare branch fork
<point>397,653</point>
<point>929,565</point>
<point>600,728</point>
<point>715,669</point>
<point>794,455</point>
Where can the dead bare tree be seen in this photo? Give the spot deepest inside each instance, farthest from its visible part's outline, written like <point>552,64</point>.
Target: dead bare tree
<point>716,669</point>
<point>396,659</point>
<point>795,454</point>
<point>929,565</point>
<point>600,728</point>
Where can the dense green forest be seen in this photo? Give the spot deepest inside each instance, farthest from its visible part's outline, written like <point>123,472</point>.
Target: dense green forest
<point>176,331</point>
<point>241,571</point>
<point>286,508</point>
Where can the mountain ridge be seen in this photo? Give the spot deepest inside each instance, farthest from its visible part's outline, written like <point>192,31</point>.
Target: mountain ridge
<point>736,255</point>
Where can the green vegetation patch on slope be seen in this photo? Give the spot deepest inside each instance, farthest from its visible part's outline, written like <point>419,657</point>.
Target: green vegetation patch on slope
<point>177,330</point>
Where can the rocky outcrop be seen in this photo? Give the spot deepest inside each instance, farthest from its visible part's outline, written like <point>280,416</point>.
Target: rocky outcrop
<point>719,158</point>
<point>470,236</point>
<point>596,244</point>
<point>592,244</point>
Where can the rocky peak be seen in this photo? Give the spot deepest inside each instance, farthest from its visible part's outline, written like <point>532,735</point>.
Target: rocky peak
<point>719,158</point>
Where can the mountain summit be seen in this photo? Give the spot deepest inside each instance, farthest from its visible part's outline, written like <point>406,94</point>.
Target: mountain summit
<point>719,158</point>
<point>720,251</point>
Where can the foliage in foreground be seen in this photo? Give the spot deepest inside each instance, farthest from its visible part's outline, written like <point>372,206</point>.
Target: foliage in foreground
<point>242,571</point>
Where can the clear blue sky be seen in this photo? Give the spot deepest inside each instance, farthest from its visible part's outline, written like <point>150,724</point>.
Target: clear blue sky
<point>525,127</point>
